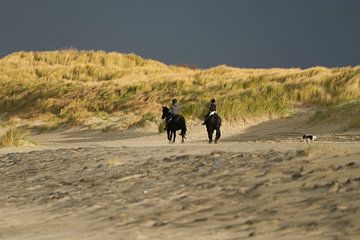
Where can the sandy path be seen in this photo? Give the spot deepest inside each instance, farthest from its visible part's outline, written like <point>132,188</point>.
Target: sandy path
<point>260,182</point>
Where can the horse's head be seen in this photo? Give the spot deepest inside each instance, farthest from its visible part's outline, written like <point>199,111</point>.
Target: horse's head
<point>165,112</point>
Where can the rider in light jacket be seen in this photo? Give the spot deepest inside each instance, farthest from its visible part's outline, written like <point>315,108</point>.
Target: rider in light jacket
<point>174,108</point>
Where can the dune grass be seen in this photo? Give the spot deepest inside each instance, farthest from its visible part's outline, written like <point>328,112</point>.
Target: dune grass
<point>74,85</point>
<point>147,118</point>
<point>347,113</point>
<point>15,137</point>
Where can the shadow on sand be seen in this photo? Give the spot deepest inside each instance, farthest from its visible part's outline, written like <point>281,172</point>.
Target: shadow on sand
<point>287,128</point>
<point>72,135</point>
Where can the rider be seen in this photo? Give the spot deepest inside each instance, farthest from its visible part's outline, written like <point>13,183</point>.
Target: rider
<point>212,110</point>
<point>174,109</point>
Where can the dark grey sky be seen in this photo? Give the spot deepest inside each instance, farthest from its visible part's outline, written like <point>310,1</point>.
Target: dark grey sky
<point>243,33</point>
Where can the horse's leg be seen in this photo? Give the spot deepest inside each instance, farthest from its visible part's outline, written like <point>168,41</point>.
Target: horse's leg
<point>174,132</point>
<point>183,132</point>
<point>210,134</point>
<point>169,133</point>
<point>218,134</point>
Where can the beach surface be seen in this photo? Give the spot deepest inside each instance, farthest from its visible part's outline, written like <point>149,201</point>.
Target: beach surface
<point>261,181</point>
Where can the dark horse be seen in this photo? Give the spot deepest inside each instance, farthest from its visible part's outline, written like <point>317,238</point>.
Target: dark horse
<point>173,123</point>
<point>213,123</point>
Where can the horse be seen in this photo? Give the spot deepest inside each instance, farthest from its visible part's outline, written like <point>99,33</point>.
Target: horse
<point>174,123</point>
<point>213,122</point>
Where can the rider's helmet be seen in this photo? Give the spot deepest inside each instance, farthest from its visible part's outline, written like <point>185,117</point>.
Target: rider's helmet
<point>213,100</point>
<point>174,101</point>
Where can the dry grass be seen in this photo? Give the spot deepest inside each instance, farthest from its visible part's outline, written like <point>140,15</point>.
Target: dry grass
<point>347,113</point>
<point>355,122</point>
<point>74,85</point>
<point>15,137</point>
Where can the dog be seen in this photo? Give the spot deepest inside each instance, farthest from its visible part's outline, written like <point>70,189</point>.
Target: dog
<point>308,137</point>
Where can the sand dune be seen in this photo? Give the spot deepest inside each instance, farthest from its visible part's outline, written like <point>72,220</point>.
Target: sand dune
<point>260,182</point>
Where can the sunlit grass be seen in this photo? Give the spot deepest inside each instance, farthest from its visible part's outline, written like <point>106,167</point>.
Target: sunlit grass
<point>75,85</point>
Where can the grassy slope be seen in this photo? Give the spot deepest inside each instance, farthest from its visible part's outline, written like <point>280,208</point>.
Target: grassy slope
<point>70,86</point>
<point>347,113</point>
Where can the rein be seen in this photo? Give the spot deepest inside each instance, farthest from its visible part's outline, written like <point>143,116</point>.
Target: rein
<point>171,118</point>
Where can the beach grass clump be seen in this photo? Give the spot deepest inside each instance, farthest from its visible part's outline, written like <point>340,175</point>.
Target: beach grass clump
<point>355,122</point>
<point>15,137</point>
<point>161,127</point>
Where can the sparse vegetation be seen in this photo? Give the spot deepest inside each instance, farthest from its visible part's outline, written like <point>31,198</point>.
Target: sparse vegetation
<point>161,127</point>
<point>355,122</point>
<point>15,137</point>
<point>346,113</point>
<point>146,118</point>
<point>74,85</point>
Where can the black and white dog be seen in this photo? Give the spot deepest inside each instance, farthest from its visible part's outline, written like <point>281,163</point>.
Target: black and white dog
<point>308,137</point>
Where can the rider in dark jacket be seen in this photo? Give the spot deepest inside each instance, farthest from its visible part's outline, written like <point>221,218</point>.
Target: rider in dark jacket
<point>212,110</point>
